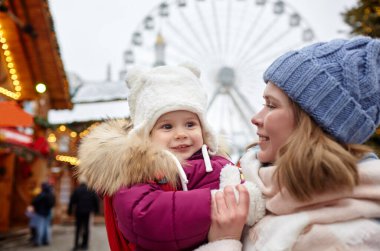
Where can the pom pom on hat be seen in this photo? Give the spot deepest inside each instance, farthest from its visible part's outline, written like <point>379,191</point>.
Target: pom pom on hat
<point>163,89</point>
<point>337,83</point>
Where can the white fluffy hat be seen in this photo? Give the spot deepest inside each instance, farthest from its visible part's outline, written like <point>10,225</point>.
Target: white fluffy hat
<point>156,91</point>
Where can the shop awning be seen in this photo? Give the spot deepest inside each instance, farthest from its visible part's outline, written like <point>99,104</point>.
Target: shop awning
<point>13,136</point>
<point>11,115</point>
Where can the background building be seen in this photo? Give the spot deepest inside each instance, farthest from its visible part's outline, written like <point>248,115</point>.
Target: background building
<point>29,55</point>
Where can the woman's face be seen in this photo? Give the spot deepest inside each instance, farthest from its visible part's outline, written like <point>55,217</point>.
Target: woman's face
<point>275,123</point>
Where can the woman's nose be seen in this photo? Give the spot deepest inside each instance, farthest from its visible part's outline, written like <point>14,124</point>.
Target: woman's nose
<point>257,119</point>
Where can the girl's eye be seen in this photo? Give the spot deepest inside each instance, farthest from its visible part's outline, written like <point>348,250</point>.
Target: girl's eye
<point>190,124</point>
<point>166,126</point>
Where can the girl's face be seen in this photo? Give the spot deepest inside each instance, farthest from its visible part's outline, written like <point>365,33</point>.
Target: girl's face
<point>275,123</point>
<point>179,132</point>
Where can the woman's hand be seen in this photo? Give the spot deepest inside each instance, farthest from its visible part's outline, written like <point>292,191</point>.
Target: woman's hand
<point>228,215</point>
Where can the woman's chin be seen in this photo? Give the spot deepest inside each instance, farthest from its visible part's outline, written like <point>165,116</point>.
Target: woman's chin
<point>265,157</point>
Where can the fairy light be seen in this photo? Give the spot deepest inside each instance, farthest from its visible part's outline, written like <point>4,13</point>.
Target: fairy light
<point>41,88</point>
<point>11,68</point>
<point>52,138</point>
<point>62,128</point>
<point>69,159</point>
<point>84,133</point>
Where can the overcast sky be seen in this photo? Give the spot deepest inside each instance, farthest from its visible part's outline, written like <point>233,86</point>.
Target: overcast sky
<point>94,33</point>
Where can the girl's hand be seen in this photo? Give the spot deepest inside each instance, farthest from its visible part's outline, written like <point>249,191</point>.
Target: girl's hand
<point>228,216</point>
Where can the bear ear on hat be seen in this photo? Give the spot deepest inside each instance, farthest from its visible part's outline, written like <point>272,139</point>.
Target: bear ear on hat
<point>191,67</point>
<point>136,76</point>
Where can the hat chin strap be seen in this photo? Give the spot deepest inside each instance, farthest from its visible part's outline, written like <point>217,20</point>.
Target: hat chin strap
<point>181,172</point>
<point>206,159</point>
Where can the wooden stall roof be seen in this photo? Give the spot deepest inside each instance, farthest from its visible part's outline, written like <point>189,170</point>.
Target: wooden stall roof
<point>29,29</point>
<point>12,115</point>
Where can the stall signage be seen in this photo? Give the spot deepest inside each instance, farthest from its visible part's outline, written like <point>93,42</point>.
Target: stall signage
<point>15,137</point>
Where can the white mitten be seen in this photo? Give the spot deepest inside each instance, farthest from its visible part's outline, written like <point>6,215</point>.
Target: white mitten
<point>250,165</point>
<point>230,176</point>
<point>256,203</point>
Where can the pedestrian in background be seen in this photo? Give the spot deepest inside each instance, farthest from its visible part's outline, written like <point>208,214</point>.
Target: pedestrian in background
<point>43,204</point>
<point>33,223</point>
<point>83,202</point>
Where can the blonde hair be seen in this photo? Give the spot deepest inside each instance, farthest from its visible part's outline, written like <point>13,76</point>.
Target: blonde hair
<point>312,162</point>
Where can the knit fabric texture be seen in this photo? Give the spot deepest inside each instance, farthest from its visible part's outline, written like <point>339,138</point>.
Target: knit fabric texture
<point>337,83</point>
<point>163,89</point>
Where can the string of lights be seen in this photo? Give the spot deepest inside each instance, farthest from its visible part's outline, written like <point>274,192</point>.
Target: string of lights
<point>10,67</point>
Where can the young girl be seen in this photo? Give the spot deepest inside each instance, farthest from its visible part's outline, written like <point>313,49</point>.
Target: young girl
<point>322,186</point>
<point>142,167</point>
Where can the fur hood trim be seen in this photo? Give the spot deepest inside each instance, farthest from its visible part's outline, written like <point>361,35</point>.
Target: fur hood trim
<point>110,157</point>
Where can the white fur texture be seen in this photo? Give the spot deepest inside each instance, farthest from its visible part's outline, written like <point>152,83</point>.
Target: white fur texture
<point>364,229</point>
<point>276,233</point>
<point>256,203</point>
<point>111,158</point>
<point>228,244</point>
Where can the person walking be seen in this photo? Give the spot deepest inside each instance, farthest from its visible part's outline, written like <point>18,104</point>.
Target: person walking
<point>33,222</point>
<point>83,202</point>
<point>43,204</point>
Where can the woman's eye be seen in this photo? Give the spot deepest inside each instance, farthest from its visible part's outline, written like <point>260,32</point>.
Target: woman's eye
<point>270,106</point>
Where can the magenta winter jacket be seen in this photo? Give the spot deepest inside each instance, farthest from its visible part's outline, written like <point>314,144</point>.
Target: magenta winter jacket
<point>155,219</point>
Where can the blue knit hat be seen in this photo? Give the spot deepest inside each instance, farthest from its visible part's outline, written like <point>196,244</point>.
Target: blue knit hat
<point>337,83</point>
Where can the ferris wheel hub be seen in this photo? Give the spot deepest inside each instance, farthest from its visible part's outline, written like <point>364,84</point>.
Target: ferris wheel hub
<point>226,76</point>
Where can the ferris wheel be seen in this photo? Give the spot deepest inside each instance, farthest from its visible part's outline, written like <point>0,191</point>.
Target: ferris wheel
<point>231,41</point>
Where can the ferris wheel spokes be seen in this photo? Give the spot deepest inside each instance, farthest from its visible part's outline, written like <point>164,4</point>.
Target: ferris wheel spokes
<point>248,34</point>
<point>205,29</point>
<point>216,25</point>
<point>185,40</point>
<point>256,41</point>
<point>251,55</point>
<point>193,31</point>
<point>259,61</point>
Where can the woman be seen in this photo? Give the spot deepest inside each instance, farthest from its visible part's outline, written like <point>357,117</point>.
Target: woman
<point>322,186</point>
